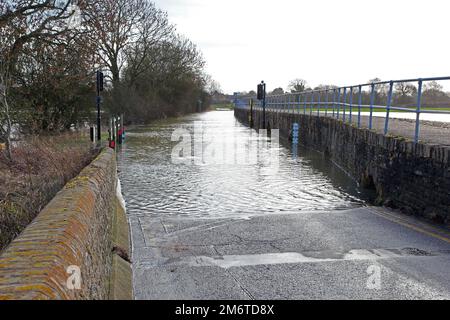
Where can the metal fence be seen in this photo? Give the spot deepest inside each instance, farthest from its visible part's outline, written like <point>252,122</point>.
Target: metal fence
<point>348,103</point>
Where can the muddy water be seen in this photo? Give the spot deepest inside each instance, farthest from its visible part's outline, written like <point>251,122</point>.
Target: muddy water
<point>153,184</point>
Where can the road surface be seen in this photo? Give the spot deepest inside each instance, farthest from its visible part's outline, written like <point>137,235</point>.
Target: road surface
<point>363,253</point>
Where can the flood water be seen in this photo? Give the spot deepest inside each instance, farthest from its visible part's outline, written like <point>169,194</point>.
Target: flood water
<point>153,184</point>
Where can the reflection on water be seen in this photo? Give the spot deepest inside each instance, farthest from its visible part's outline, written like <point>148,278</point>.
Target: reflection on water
<point>152,185</point>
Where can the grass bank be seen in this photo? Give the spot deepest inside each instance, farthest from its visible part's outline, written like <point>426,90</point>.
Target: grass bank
<point>40,168</point>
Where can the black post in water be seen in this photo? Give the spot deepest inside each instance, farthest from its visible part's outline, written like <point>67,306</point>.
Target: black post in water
<point>100,88</point>
<point>262,97</point>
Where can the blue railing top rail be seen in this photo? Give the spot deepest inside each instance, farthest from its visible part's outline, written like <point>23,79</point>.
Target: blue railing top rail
<point>369,84</point>
<point>344,98</point>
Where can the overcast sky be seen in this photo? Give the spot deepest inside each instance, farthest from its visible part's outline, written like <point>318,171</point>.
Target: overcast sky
<point>342,42</point>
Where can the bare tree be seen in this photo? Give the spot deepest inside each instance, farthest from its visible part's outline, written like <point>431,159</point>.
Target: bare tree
<point>212,86</point>
<point>405,89</point>
<point>126,28</point>
<point>297,85</point>
<point>380,90</point>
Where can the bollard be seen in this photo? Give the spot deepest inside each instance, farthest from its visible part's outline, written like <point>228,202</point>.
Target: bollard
<point>92,134</point>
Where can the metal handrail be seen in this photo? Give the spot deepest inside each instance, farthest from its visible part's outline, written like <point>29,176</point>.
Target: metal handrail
<point>342,102</point>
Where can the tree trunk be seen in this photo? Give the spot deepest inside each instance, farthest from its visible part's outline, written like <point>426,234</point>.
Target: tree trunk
<point>8,132</point>
<point>8,129</point>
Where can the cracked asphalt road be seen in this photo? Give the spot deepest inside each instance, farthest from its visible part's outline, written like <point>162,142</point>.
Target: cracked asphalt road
<point>308,255</point>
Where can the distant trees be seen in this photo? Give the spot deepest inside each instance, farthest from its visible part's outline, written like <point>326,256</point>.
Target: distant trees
<point>277,91</point>
<point>325,87</point>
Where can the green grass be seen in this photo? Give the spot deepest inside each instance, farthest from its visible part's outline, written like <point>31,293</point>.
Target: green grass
<point>228,106</point>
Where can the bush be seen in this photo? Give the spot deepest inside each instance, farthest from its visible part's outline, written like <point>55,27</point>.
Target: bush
<point>41,167</point>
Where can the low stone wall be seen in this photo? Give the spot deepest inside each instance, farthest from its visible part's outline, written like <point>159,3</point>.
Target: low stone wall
<point>74,232</point>
<point>412,177</point>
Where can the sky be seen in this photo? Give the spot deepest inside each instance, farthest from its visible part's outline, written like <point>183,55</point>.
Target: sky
<point>345,42</point>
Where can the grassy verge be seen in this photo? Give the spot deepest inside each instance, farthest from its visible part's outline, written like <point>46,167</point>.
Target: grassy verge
<point>41,167</point>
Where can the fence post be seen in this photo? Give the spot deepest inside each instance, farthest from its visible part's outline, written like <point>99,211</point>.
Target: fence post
<point>312,103</point>
<point>326,102</point>
<point>372,102</point>
<point>388,109</point>
<point>359,106</point>
<point>419,109</point>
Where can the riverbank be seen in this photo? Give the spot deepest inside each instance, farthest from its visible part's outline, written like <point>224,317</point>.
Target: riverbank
<point>40,168</point>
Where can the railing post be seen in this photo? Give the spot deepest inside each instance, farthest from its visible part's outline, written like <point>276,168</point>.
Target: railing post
<point>290,104</point>
<point>326,102</point>
<point>286,106</point>
<point>344,116</point>
<point>419,109</point>
<point>339,104</point>
<point>278,106</point>
<point>284,103</point>
<point>312,103</point>
<point>351,105</point>
<point>388,107</point>
<point>305,102</point>
<point>334,103</point>
<point>359,106</point>
<point>372,102</point>
<point>318,103</point>
<point>288,99</point>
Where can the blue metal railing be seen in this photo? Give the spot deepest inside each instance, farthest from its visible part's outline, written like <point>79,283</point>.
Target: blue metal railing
<point>340,103</point>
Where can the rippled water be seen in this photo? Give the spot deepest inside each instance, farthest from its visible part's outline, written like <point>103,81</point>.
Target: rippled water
<point>153,185</point>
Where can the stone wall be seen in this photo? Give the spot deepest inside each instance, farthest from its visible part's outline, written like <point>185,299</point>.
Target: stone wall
<point>76,229</point>
<point>412,177</point>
